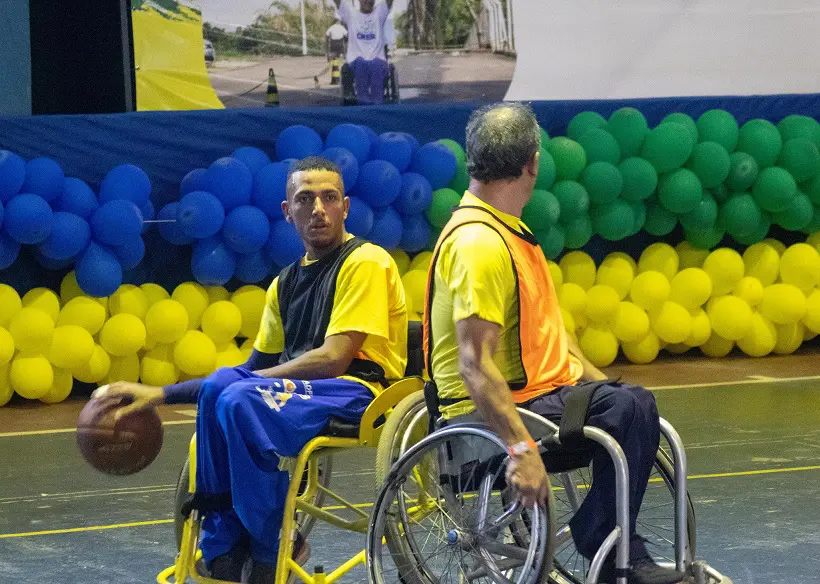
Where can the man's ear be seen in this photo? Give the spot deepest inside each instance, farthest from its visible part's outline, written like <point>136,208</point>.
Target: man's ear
<point>532,165</point>
<point>286,211</point>
<point>347,206</point>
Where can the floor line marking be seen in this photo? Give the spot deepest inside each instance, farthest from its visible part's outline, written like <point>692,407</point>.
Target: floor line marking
<point>84,529</point>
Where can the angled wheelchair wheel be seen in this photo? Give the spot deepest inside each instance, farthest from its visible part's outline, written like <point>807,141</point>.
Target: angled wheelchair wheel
<point>441,516</point>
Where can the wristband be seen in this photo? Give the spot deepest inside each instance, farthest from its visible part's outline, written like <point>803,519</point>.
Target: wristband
<point>522,447</point>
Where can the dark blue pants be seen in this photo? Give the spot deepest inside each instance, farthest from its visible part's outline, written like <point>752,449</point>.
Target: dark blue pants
<point>368,79</point>
<point>244,424</point>
<point>629,414</point>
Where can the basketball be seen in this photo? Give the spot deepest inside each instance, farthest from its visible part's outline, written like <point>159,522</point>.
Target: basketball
<point>120,448</point>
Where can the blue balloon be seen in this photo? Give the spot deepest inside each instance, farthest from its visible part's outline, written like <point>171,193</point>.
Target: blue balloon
<point>370,133</point>
<point>126,181</point>
<point>415,194</point>
<point>289,162</point>
<point>347,163</point>
<point>413,140</point>
<point>387,228</point>
<point>131,253</point>
<point>353,138</point>
<point>12,174</point>
<point>284,245</point>
<point>116,222</point>
<point>170,229</point>
<point>9,250</point>
<point>70,235</point>
<point>200,215</point>
<point>379,183</point>
<point>98,271</point>
<point>50,264</point>
<point>253,267</point>
<point>436,162</point>
<point>246,229</point>
<point>298,142</point>
<point>359,220</point>
<point>394,147</point>
<point>196,180</point>
<point>416,233</point>
<point>230,181</point>
<point>28,219</point>
<point>252,157</point>
<point>148,214</point>
<point>44,177</point>
<point>270,189</point>
<point>77,197</point>
<point>212,263</point>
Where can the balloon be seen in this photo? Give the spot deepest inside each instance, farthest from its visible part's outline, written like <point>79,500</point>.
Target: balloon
<point>691,288</point>
<point>230,181</point>
<point>629,128</point>
<point>194,181</point>
<point>298,142</point>
<point>668,146</point>
<point>686,121</point>
<point>716,346</point>
<point>572,198</point>
<point>797,126</point>
<point>284,245</point>
<point>32,329</point>
<point>718,126</point>
<point>166,321</point>
<point>703,216</point>
<point>461,181</point>
<point>600,145</point>
<point>359,218</point>
<point>31,376</point>
<point>416,233</point>
<point>720,193</point>
<point>251,302</point>
<point>253,267</point>
<point>617,273</point>
<point>347,164</point>
<point>128,299</point>
<point>639,179</point>
<point>789,338</point>
<point>157,366</point>
<point>541,211</point>
<point>436,163</point>
<point>801,157</point>
<point>246,229</point>
<point>415,194</point>
<point>603,182</point>
<point>749,289</point>
<point>578,268</point>
<point>402,260</point>
<point>572,298</point>
<point>761,140</point>
<point>200,215</point>
<point>731,317</point>
<point>812,189</point>
<point>148,214</point>
<point>116,222</point>
<point>797,215</point>
<point>69,236</point>
<point>84,312</point>
<point>613,221</point>
<point>659,220</point>
<point>710,162</point>
<point>743,171</point>
<point>599,346</point>
<point>387,228</point>
<point>169,228</point>
<point>649,290</point>
<point>800,266</point>
<point>213,263</point>
<point>71,347</point>
<point>725,268</point>
<point>353,138</point>
<point>195,353</point>
<point>12,174</point>
<point>760,339</point>
<point>379,183</point>
<point>602,304</point>
<point>577,233</point>
<point>130,254</point>
<point>551,241</point>
<point>27,219</point>
<point>631,322</point>
<point>270,189</point>
<point>812,317</point>
<point>680,191</point>
<point>456,149</point>
<point>758,233</point>
<point>644,350</point>
<point>546,170</point>
<point>689,255</point>
<point>254,158</point>
<point>395,148</point>
<point>659,257</point>
<point>740,215</point>
<point>701,329</point>
<point>99,273</point>
<point>673,323</point>
<point>221,321</point>
<point>583,122</point>
<point>440,210</point>
<point>569,156</point>
<point>128,182</point>
<point>76,197</point>
<point>122,335</point>
<point>44,177</point>
<point>774,189</point>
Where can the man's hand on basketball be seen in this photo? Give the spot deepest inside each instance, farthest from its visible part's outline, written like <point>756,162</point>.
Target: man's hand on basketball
<point>527,475</point>
<point>142,397</point>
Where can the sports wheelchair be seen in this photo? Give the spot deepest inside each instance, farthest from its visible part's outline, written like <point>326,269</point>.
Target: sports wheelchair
<point>444,511</point>
<point>391,83</point>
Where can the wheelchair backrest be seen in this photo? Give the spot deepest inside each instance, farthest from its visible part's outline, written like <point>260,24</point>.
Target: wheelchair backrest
<point>415,352</point>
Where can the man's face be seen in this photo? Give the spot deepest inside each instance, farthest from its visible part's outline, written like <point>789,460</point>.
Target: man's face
<point>317,207</point>
<point>367,6</point>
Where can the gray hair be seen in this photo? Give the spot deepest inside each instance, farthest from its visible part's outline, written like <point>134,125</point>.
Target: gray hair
<point>501,140</point>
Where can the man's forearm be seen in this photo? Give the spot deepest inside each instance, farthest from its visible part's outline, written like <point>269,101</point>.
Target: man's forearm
<point>591,372</point>
<point>315,364</point>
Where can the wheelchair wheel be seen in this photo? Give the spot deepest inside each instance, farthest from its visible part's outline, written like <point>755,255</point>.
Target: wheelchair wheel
<point>441,514</point>
<point>304,522</point>
<point>656,520</point>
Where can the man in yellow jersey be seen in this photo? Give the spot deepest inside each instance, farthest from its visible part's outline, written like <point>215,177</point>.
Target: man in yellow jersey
<point>495,339</point>
<point>333,332</point>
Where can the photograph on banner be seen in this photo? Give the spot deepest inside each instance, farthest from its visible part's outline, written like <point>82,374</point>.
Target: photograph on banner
<point>357,52</point>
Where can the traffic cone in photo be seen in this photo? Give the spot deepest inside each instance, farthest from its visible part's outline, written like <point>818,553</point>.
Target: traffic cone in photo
<point>335,75</point>
<point>272,95</point>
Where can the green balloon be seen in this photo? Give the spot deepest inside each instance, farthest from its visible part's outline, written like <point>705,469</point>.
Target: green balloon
<point>659,220</point>
<point>434,235</point>
<point>739,215</point>
<point>720,193</point>
<point>812,189</point>
<point>797,215</point>
<point>680,191</point>
<point>603,182</point>
<point>570,158</point>
<point>795,126</point>
<point>640,179</point>
<point>814,224</point>
<point>577,233</point>
<point>544,136</point>
<point>600,145</point>
<point>704,238</point>
<point>762,140</point>
<point>757,234</point>
<point>583,122</point>
<point>440,209</point>
<point>629,128</point>
<point>546,170</point>
<point>800,157</point>
<point>613,221</point>
<point>774,189</point>
<point>684,120</point>
<point>455,148</point>
<point>542,211</point>
<point>551,241</point>
<point>703,216</point>
<point>461,179</point>
<point>710,162</point>
<point>719,126</point>
<point>743,171</point>
<point>573,199</point>
<point>668,146</point>
<point>639,212</point>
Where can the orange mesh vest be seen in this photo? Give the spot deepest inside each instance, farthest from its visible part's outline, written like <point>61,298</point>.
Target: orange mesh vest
<point>545,360</point>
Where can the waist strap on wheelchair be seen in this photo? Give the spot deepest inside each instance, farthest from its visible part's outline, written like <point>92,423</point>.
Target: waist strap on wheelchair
<point>206,503</point>
<point>576,412</point>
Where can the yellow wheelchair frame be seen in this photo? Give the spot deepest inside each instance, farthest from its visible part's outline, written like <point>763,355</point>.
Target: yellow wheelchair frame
<point>370,430</point>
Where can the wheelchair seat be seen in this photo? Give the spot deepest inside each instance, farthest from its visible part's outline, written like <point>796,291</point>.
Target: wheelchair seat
<point>337,428</point>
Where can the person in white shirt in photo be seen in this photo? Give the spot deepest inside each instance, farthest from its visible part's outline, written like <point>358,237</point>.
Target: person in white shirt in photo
<point>336,40</point>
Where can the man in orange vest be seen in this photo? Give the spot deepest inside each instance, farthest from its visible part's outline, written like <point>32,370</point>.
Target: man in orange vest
<point>495,338</point>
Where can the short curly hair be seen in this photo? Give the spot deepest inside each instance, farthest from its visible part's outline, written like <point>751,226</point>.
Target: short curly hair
<point>501,140</point>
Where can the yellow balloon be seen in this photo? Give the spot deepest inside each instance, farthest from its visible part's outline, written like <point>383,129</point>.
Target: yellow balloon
<point>725,268</point>
<point>814,239</point>
<point>749,289</point>
<point>659,257</point>
<point>71,347</point>
<point>246,348</point>
<point>617,273</point>
<point>673,323</point>
<point>573,299</point>
<point>644,350</point>
<point>43,299</point>
<point>677,348</point>
<point>122,334</point>
<point>217,293</point>
<point>599,346</point>
<point>166,321</point>
<point>6,346</point>
<point>415,285</point>
<point>421,261</point>
<point>800,266</point>
<point>691,288</point>
<point>690,256</point>
<point>602,303</point>
<point>10,304</point>
<point>717,346</point>
<point>60,388</point>
<point>402,260</point>
<point>124,369</point>
<point>6,390</point>
<point>84,312</point>
<point>69,289</point>
<point>195,300</point>
<point>779,246</point>
<point>96,369</point>
<point>229,355</point>
<point>157,366</point>
<point>578,268</point>
<point>812,316</point>
<point>32,330</point>
<point>650,290</point>
<point>128,299</point>
<point>789,338</point>
<point>221,321</point>
<point>626,257</point>
<point>556,274</point>
<point>631,322</point>
<point>569,321</point>
<point>760,339</point>
<point>195,353</point>
<point>31,375</point>
<point>701,329</point>
<point>251,303</point>
<point>730,316</point>
<point>154,293</point>
<point>783,303</point>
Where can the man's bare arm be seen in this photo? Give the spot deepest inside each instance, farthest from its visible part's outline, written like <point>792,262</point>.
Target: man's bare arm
<point>591,372</point>
<point>330,360</point>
